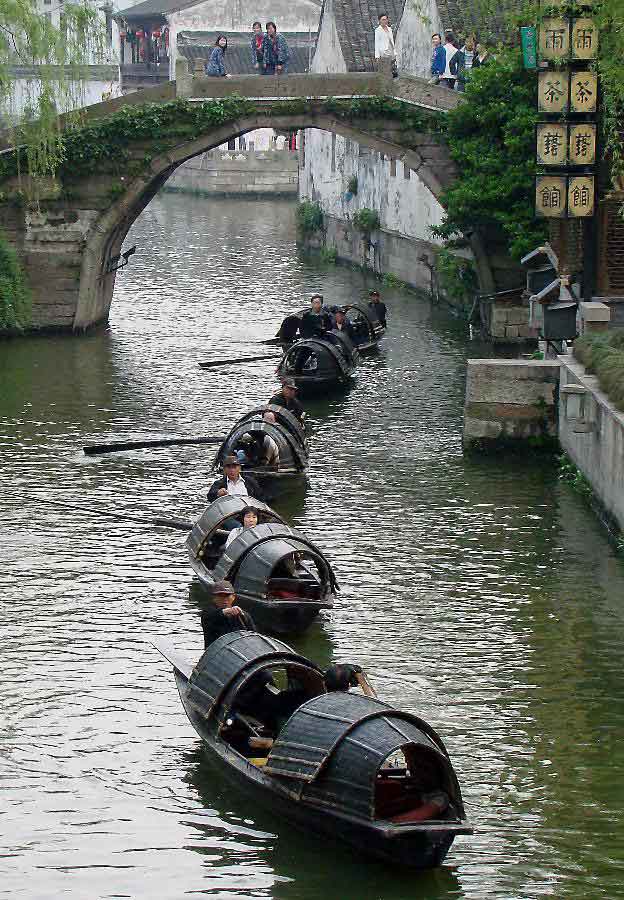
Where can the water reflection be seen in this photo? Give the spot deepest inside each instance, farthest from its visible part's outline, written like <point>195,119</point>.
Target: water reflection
<point>481,595</point>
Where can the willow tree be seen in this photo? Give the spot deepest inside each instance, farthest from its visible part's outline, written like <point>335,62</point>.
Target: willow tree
<point>43,71</point>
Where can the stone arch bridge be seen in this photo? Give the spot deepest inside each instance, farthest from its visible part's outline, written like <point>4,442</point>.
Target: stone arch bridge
<point>68,242</point>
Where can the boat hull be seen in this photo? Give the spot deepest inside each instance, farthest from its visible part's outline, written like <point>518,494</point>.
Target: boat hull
<point>418,847</point>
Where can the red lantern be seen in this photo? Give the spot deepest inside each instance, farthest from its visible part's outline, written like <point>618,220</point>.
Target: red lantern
<point>139,34</point>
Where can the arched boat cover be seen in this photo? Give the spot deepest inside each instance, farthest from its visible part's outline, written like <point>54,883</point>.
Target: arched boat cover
<point>220,510</point>
<point>253,555</point>
<point>227,660</point>
<point>374,325</point>
<point>334,745</point>
<point>340,352</point>
<point>283,416</point>
<point>292,454</point>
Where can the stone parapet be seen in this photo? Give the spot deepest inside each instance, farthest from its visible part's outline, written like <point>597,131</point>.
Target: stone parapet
<point>510,401</point>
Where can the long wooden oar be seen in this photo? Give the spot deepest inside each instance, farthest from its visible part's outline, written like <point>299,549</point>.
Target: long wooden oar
<point>239,359</point>
<point>161,521</point>
<point>95,449</point>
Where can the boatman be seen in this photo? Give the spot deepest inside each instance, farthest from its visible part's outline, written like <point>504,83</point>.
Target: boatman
<point>287,398</point>
<point>378,307</point>
<point>233,484</point>
<point>315,321</point>
<point>225,616</point>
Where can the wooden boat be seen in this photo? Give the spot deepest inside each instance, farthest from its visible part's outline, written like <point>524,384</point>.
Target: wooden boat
<point>320,363</point>
<point>340,764</point>
<point>287,432</point>
<point>367,328</point>
<point>280,576</point>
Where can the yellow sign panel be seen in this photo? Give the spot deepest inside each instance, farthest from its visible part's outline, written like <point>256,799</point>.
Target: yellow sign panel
<point>583,92</point>
<point>584,42</point>
<point>550,196</point>
<point>581,196</point>
<point>582,145</point>
<point>552,144</point>
<point>554,39</point>
<point>552,91</point>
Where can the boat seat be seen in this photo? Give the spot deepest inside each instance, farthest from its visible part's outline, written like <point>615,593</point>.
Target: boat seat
<point>293,589</point>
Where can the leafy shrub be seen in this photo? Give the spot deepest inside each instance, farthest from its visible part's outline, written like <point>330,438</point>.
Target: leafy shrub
<point>491,137</point>
<point>309,217</point>
<point>15,301</point>
<point>366,220</point>
<point>603,355</point>
<point>456,275</point>
<point>352,185</point>
<point>329,255</point>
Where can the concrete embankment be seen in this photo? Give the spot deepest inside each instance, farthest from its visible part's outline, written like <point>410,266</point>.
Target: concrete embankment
<point>238,173</point>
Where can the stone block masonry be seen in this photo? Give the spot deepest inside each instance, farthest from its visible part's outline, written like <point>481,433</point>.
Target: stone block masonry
<point>251,173</point>
<point>509,401</point>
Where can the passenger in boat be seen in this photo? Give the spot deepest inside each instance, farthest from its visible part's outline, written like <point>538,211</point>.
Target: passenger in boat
<point>342,676</point>
<point>315,322</point>
<point>250,520</point>
<point>343,326</point>
<point>287,398</point>
<point>233,484</point>
<point>225,617</point>
<point>378,307</point>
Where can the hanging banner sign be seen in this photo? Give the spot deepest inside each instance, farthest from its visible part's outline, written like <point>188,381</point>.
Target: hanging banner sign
<point>554,39</point>
<point>583,92</point>
<point>552,91</point>
<point>550,196</point>
<point>528,36</point>
<point>581,196</point>
<point>584,41</point>
<point>582,145</point>
<point>552,144</point>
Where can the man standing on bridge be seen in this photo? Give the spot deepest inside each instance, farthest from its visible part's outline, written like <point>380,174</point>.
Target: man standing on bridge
<point>384,42</point>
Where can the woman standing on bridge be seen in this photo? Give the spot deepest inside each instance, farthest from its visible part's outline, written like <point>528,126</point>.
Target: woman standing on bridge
<point>216,63</point>
<point>276,52</point>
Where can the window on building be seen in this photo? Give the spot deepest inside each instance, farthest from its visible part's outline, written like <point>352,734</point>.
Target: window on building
<point>406,172</point>
<point>333,152</point>
<point>393,168</point>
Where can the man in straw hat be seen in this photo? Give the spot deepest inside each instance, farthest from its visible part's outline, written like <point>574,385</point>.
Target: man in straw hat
<point>224,617</point>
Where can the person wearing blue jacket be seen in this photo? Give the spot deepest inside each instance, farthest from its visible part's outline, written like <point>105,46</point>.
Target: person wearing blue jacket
<point>216,63</point>
<point>276,52</point>
<point>438,57</point>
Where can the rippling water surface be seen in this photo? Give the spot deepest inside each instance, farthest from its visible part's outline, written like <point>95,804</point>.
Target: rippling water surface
<point>481,595</point>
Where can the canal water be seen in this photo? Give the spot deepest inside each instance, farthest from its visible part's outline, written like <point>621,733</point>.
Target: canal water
<point>480,594</point>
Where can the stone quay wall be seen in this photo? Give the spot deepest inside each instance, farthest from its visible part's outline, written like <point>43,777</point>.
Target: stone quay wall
<point>238,173</point>
<point>510,401</point>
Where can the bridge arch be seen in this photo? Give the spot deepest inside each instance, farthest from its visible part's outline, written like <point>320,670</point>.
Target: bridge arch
<point>428,159</point>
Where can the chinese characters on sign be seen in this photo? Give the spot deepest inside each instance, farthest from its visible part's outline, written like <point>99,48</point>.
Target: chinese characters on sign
<point>582,145</point>
<point>528,38</point>
<point>554,38</point>
<point>584,41</point>
<point>581,196</point>
<point>583,92</point>
<point>552,91</point>
<point>552,144</point>
<point>550,196</point>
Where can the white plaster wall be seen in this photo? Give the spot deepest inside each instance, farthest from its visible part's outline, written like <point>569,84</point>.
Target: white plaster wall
<point>420,20</point>
<point>25,92</point>
<point>238,15</point>
<point>406,207</point>
<point>328,56</point>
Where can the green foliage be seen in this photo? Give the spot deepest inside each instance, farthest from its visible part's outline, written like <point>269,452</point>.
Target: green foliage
<point>573,476</point>
<point>352,185</point>
<point>491,137</point>
<point>58,56</point>
<point>366,220</point>
<point>456,275</point>
<point>309,217</point>
<point>603,355</point>
<point>15,301</point>
<point>329,255</point>
<point>392,281</point>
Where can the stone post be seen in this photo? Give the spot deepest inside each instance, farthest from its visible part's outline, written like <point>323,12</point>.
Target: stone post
<point>184,80</point>
<point>593,317</point>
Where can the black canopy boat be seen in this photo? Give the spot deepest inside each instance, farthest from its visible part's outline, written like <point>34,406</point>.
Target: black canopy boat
<point>248,434</point>
<point>340,764</point>
<point>367,329</point>
<point>280,577</point>
<point>319,363</point>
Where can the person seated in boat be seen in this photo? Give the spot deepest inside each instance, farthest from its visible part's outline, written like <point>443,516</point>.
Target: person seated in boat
<point>287,398</point>
<point>342,676</point>
<point>315,322</point>
<point>377,307</point>
<point>233,484</point>
<point>311,364</point>
<point>342,325</point>
<point>225,616</point>
<point>250,520</point>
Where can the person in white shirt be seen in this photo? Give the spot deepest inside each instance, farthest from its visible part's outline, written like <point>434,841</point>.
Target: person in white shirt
<point>384,41</point>
<point>250,520</point>
<point>447,78</point>
<point>232,483</point>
